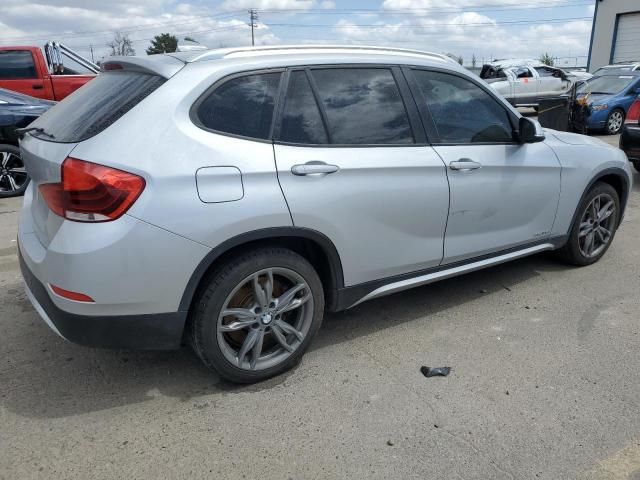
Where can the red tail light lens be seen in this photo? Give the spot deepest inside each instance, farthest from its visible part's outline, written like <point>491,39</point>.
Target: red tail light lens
<point>92,193</point>
<point>633,115</point>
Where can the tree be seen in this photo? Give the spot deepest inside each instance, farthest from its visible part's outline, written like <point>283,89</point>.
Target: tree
<point>163,43</point>
<point>546,59</point>
<point>473,61</point>
<point>121,45</point>
<point>460,60</point>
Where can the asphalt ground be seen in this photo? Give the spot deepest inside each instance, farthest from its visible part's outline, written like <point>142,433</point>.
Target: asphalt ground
<point>544,384</point>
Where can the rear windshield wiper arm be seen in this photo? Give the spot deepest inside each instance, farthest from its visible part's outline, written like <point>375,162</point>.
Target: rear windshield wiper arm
<point>22,131</point>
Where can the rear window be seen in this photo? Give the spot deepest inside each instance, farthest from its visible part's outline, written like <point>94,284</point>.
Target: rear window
<point>95,106</point>
<point>15,64</point>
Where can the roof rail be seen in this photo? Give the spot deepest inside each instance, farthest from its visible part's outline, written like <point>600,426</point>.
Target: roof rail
<point>225,53</point>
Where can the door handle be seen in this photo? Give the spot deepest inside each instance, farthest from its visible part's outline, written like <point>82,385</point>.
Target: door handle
<point>37,87</point>
<point>464,164</point>
<point>314,168</point>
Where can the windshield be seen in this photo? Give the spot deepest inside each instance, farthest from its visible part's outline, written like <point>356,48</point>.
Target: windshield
<point>609,85</point>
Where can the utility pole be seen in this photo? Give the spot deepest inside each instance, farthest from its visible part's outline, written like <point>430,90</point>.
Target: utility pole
<point>253,18</point>
<point>91,48</point>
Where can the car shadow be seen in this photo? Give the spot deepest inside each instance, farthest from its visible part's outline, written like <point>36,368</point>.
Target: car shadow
<point>53,378</point>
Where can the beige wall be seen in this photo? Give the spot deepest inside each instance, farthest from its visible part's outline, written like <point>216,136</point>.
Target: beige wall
<point>605,21</point>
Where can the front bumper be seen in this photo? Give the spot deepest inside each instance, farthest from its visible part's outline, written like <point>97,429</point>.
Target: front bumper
<point>159,331</point>
<point>630,142</point>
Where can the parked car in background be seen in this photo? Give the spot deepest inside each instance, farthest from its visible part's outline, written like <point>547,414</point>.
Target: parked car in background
<point>617,69</point>
<point>50,74</point>
<point>285,181</point>
<point>630,135</point>
<point>16,111</point>
<point>602,102</point>
<point>525,84</point>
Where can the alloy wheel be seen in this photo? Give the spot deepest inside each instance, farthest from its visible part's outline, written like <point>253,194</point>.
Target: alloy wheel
<point>265,319</point>
<point>597,225</point>
<point>615,121</point>
<point>13,175</point>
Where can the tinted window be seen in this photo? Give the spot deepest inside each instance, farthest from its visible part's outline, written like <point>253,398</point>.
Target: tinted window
<point>96,105</point>
<point>301,119</point>
<point>462,111</point>
<point>545,72</point>
<point>242,106</point>
<point>17,64</point>
<point>363,106</point>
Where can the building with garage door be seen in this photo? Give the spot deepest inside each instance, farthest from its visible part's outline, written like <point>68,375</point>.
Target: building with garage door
<point>615,36</point>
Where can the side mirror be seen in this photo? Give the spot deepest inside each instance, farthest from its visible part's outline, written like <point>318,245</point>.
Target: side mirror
<point>529,131</point>
<point>7,120</point>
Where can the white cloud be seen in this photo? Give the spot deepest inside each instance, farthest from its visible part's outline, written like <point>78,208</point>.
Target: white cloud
<point>268,4</point>
<point>328,5</point>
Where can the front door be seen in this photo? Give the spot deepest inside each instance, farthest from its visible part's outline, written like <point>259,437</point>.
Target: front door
<point>503,194</point>
<point>353,166</point>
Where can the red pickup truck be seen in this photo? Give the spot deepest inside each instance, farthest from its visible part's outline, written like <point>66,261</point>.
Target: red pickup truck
<point>41,73</point>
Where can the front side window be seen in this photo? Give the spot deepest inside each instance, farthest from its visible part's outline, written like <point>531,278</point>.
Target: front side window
<point>241,106</point>
<point>301,118</point>
<point>363,106</point>
<point>462,111</point>
<point>15,64</point>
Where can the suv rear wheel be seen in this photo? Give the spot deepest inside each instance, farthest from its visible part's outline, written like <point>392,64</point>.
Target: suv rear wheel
<point>257,315</point>
<point>594,227</point>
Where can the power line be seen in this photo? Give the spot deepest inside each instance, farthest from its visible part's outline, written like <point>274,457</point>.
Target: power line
<point>128,29</point>
<point>433,25</point>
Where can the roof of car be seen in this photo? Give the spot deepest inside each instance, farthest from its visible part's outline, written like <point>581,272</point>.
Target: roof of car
<point>253,52</point>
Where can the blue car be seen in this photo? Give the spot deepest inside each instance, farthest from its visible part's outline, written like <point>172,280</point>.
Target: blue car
<point>602,102</point>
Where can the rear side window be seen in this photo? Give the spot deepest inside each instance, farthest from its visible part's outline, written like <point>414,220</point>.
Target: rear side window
<point>15,64</point>
<point>98,104</point>
<point>363,106</point>
<point>301,119</point>
<point>241,106</point>
<point>462,111</point>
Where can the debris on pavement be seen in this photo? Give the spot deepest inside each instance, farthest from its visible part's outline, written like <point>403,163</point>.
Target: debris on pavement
<point>435,371</point>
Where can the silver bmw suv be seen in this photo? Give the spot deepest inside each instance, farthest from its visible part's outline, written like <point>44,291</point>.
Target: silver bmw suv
<point>227,198</point>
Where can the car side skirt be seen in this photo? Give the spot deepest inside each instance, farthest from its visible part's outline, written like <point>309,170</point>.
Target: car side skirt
<point>349,297</point>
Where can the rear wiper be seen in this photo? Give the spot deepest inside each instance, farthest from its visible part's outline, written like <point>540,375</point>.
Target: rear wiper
<point>22,131</point>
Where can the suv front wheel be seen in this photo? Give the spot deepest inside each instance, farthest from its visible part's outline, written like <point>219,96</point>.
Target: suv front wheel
<point>257,314</point>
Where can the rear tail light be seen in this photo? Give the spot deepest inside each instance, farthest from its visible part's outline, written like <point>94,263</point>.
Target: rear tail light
<point>633,116</point>
<point>90,192</point>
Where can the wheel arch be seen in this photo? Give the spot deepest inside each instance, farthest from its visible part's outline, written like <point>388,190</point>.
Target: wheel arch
<point>617,178</point>
<point>314,246</point>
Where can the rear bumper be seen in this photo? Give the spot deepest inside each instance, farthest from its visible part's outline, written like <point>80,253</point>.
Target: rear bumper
<point>159,331</point>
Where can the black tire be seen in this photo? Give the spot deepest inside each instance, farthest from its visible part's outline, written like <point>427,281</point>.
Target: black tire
<point>571,252</point>
<point>15,161</point>
<point>610,130</point>
<point>636,165</point>
<point>204,334</point>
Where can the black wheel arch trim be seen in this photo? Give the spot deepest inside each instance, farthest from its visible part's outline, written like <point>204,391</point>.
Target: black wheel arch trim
<point>618,172</point>
<point>327,246</point>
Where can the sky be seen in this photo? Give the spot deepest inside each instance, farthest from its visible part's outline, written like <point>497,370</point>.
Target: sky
<point>486,29</point>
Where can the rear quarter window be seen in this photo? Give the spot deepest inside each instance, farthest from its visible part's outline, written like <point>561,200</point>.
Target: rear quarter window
<point>95,106</point>
<point>242,106</point>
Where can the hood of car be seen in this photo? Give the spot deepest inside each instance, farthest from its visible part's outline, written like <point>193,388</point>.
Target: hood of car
<point>574,138</point>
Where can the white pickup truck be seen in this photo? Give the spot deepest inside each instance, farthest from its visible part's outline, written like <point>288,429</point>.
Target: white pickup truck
<point>525,84</point>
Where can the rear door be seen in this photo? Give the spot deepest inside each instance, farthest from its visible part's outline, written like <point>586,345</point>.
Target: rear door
<point>353,164</point>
